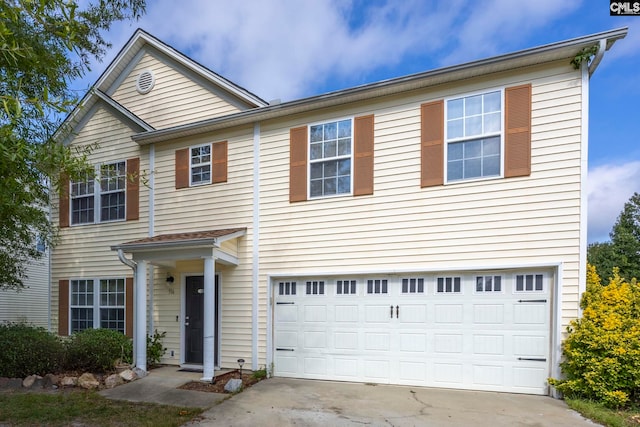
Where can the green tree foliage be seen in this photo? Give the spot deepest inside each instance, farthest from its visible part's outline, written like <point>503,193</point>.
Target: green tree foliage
<point>44,45</point>
<point>623,251</point>
<point>602,350</point>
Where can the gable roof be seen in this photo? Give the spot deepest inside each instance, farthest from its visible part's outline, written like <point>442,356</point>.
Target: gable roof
<point>567,49</point>
<point>140,39</point>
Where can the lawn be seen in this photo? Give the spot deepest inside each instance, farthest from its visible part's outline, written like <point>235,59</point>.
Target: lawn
<point>607,417</point>
<point>87,409</point>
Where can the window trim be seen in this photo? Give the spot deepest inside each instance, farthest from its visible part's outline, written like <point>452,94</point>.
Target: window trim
<point>96,306</point>
<point>210,181</point>
<point>501,135</point>
<point>351,158</point>
<point>97,193</point>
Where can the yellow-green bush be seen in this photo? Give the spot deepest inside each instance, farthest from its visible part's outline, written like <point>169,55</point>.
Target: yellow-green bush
<point>602,349</point>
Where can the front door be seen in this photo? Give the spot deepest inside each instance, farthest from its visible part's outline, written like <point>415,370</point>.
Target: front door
<point>194,320</point>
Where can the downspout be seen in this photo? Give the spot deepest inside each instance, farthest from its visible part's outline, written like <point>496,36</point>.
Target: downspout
<point>133,266</point>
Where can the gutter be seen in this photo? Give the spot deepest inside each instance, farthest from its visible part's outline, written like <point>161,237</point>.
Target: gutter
<point>599,55</point>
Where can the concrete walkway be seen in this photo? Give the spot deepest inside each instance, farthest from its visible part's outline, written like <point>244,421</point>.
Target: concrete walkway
<point>161,386</point>
<point>289,402</point>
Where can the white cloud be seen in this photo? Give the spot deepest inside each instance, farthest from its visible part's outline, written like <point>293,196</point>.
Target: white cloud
<point>609,187</point>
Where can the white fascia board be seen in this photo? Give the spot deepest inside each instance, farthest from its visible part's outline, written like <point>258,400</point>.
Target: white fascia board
<point>123,110</point>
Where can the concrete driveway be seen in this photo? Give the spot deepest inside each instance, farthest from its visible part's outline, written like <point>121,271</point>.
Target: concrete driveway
<point>290,402</point>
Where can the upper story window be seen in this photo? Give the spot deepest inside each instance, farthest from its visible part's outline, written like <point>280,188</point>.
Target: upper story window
<point>473,136</point>
<point>330,158</point>
<point>200,164</point>
<point>91,203</point>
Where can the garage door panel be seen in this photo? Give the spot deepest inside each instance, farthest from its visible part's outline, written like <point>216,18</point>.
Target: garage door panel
<point>448,313</point>
<point>475,338</point>
<point>447,343</point>
<point>488,344</point>
<point>346,313</point>
<point>488,314</point>
<point>413,342</point>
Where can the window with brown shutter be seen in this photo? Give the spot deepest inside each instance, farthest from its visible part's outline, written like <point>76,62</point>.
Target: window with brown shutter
<point>363,156</point>
<point>63,203</point>
<point>133,189</point>
<point>298,164</point>
<point>219,162</point>
<point>517,142</point>
<point>182,168</point>
<point>63,307</point>
<point>432,143</point>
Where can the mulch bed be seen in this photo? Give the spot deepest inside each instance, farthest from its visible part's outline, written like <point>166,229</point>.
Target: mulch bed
<point>219,382</point>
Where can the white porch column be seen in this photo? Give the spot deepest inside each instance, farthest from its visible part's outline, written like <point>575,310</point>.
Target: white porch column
<point>140,316</point>
<point>209,318</point>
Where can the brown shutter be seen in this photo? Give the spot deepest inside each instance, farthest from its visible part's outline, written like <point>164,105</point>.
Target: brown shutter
<point>517,145</point>
<point>63,210</point>
<point>133,188</point>
<point>128,307</point>
<point>63,307</point>
<point>432,143</point>
<point>298,164</point>
<point>363,156</point>
<point>219,162</point>
<point>182,168</point>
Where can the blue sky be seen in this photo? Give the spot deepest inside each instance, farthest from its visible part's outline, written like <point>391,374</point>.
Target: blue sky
<point>289,49</point>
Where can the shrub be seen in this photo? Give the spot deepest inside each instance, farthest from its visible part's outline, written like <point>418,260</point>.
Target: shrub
<point>155,350</point>
<point>96,350</point>
<point>28,350</point>
<point>602,349</point>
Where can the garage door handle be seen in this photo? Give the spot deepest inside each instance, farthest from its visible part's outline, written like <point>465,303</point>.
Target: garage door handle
<point>284,303</point>
<point>532,300</point>
<point>284,349</point>
<point>533,359</point>
<point>391,313</point>
<point>397,311</point>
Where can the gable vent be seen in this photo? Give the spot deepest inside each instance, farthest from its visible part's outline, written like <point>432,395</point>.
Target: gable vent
<point>145,82</point>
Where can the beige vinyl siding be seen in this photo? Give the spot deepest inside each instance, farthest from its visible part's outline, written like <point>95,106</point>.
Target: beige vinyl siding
<point>175,98</point>
<point>208,207</point>
<point>30,304</point>
<point>84,250</point>
<point>478,224</point>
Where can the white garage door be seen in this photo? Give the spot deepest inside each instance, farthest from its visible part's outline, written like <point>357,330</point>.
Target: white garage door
<point>478,332</point>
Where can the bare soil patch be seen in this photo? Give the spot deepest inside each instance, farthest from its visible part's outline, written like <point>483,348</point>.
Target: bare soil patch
<point>219,382</point>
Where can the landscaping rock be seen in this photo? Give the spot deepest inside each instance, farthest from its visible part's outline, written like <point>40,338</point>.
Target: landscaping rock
<point>50,381</point>
<point>113,380</point>
<point>88,381</point>
<point>233,385</point>
<point>69,382</point>
<point>139,372</point>
<point>128,375</point>
<point>10,383</point>
<point>32,381</point>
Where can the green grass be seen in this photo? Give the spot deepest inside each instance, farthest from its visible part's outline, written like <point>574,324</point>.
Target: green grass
<point>605,416</point>
<point>86,408</point>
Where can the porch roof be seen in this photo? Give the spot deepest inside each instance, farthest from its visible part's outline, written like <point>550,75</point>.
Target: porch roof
<point>165,249</point>
<point>196,238</point>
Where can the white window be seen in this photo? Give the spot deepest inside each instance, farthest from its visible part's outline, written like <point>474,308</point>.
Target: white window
<point>97,303</point>
<point>346,287</point>
<point>315,287</point>
<point>377,286</point>
<point>529,283</point>
<point>413,286</point>
<point>445,285</point>
<point>474,136</point>
<point>330,158</point>
<point>91,203</point>
<point>200,164</point>
<point>287,288</point>
<point>488,283</point>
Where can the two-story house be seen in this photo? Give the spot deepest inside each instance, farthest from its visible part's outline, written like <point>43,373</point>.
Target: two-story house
<point>427,230</point>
